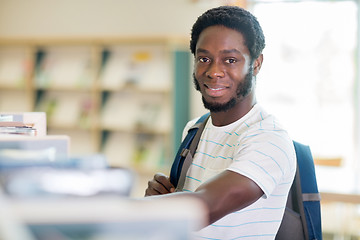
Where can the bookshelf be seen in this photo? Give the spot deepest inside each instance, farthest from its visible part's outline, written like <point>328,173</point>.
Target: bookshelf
<point>15,71</point>
<point>114,96</point>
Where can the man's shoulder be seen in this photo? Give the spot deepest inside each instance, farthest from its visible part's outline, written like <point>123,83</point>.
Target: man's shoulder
<point>189,124</point>
<point>261,119</point>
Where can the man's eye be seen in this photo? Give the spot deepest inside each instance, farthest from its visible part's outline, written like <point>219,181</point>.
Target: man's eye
<point>230,60</point>
<point>204,60</point>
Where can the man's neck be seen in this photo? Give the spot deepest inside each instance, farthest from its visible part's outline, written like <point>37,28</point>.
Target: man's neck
<point>232,115</point>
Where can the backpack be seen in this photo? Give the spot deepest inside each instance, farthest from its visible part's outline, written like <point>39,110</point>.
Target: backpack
<point>302,216</point>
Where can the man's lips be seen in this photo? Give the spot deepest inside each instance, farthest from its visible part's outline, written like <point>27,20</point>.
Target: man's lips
<point>215,90</point>
<point>214,87</point>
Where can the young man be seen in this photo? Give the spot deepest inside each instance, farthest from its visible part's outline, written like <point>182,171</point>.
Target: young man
<point>245,162</point>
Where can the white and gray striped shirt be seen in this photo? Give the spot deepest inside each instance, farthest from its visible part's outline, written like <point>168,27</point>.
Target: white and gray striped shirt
<point>257,147</point>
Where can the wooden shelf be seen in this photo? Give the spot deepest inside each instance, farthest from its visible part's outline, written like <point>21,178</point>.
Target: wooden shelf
<point>353,198</point>
<point>147,79</point>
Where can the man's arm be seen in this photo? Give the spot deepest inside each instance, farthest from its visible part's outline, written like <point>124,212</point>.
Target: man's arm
<point>225,193</point>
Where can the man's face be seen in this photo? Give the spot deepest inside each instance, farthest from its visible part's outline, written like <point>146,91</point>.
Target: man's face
<point>223,71</point>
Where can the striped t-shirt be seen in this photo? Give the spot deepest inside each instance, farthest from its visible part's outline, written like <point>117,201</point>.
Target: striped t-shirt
<point>257,147</point>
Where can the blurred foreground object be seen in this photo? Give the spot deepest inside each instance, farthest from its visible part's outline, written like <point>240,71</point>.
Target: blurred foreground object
<point>104,218</point>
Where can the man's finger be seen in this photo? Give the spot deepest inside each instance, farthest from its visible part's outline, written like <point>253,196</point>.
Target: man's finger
<point>164,181</point>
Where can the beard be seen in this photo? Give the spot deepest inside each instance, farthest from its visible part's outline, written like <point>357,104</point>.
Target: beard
<point>242,90</point>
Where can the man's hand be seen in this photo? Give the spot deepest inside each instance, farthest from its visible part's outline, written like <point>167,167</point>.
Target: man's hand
<point>160,184</point>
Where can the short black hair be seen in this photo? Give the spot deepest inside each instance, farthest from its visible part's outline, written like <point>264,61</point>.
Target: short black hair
<point>235,18</point>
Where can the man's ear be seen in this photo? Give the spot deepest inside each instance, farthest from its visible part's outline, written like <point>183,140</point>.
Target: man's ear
<point>257,64</point>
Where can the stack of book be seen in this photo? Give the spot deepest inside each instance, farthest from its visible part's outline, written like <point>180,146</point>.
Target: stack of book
<point>23,123</point>
<point>18,128</point>
<point>25,133</point>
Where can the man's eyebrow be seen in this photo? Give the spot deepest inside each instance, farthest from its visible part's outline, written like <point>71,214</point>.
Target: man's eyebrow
<point>234,50</point>
<point>201,50</point>
<point>225,51</point>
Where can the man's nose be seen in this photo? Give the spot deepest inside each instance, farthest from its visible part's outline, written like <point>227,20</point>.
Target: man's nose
<point>215,70</point>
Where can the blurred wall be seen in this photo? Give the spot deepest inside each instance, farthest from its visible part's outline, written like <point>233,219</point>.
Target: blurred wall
<point>93,18</point>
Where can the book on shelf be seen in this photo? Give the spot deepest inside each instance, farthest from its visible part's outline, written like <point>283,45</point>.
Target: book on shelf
<point>156,75</point>
<point>63,67</point>
<point>114,64</point>
<point>66,109</point>
<point>142,67</point>
<point>119,111</point>
<point>149,152</point>
<point>119,149</point>
<point>153,113</point>
<point>146,152</point>
<point>137,112</point>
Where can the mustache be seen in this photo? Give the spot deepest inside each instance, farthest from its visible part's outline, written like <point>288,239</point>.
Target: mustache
<point>243,89</point>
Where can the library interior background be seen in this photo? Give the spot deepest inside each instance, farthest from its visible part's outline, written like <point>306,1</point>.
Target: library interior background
<point>114,79</point>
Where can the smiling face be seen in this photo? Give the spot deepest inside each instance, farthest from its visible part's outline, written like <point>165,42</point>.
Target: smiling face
<point>223,71</point>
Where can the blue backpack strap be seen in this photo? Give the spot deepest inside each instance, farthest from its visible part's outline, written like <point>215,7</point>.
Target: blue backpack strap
<point>310,192</point>
<point>179,158</point>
